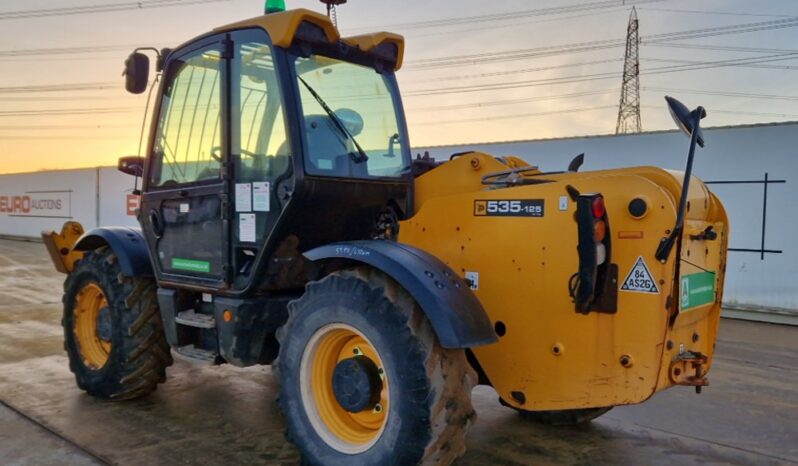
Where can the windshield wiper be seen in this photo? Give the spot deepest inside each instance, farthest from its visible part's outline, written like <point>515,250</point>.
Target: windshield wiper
<point>361,155</point>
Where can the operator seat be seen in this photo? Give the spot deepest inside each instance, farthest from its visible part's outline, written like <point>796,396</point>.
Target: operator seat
<point>328,153</point>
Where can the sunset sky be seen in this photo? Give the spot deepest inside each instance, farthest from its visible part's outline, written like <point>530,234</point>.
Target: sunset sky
<point>512,90</point>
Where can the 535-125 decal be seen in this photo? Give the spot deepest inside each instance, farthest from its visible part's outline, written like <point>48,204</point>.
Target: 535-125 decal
<point>509,208</point>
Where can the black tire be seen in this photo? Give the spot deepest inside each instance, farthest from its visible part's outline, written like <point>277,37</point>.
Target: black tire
<point>139,353</point>
<point>430,387</point>
<point>566,417</point>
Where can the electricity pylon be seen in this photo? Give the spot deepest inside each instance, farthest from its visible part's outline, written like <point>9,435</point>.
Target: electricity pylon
<point>629,109</point>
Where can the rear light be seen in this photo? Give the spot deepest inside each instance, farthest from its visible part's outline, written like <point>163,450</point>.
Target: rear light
<point>601,253</point>
<point>599,231</point>
<point>594,286</point>
<point>598,207</point>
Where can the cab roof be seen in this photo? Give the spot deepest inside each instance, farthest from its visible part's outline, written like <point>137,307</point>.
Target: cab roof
<point>282,29</point>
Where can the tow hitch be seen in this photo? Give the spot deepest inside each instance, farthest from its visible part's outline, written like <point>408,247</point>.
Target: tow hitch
<point>688,369</point>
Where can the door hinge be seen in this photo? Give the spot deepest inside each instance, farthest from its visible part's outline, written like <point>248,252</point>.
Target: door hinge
<point>225,208</point>
<point>227,171</point>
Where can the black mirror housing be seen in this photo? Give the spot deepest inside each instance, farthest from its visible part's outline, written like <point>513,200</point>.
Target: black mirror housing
<point>132,165</point>
<point>137,73</point>
<point>685,119</point>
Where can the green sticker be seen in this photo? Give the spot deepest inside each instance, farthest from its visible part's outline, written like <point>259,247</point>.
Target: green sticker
<point>697,289</point>
<point>191,265</point>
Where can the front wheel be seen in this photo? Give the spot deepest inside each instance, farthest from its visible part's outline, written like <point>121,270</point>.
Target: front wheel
<point>113,333</point>
<point>364,380</point>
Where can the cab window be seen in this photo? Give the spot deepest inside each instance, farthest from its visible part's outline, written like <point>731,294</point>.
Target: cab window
<point>359,100</point>
<point>188,142</point>
<point>262,147</point>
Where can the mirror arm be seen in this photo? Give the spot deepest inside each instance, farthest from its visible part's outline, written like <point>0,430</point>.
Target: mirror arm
<point>158,57</point>
<point>666,244</point>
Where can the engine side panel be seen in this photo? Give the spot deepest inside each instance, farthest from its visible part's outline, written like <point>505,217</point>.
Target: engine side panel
<point>551,355</point>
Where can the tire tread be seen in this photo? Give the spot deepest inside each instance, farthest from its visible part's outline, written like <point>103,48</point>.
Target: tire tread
<point>140,364</point>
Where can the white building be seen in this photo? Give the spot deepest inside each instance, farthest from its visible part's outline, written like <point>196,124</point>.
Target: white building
<point>753,169</point>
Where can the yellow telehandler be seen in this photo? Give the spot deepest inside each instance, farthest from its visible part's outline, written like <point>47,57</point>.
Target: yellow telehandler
<point>284,222</point>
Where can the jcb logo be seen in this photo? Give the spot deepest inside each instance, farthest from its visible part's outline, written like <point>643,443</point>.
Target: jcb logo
<point>509,208</point>
<point>480,207</point>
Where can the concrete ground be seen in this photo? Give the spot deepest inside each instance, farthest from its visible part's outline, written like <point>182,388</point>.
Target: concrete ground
<point>225,415</point>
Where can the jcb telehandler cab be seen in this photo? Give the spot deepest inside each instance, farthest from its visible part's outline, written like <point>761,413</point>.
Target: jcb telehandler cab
<point>284,222</point>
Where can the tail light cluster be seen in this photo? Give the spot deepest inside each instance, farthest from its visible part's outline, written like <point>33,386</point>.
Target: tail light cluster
<point>594,286</point>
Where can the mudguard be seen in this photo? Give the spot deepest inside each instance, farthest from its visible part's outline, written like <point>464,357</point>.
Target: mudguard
<point>128,245</point>
<point>455,313</point>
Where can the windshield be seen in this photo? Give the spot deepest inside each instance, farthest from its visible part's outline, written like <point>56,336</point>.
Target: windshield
<point>361,101</point>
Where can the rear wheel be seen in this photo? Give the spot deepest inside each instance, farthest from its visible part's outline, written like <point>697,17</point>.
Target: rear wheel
<point>113,333</point>
<point>364,380</point>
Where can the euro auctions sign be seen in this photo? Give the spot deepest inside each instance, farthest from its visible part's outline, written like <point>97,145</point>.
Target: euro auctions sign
<point>37,204</point>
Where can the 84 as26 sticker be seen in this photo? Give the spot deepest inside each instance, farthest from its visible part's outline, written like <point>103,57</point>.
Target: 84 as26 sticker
<point>509,208</point>
<point>640,279</point>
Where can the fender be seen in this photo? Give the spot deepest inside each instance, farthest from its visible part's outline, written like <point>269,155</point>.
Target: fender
<point>455,313</point>
<point>128,245</point>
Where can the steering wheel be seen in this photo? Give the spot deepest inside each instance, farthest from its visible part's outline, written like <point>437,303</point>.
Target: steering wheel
<point>216,153</point>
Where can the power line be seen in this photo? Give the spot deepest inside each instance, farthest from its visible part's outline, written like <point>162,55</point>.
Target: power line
<point>64,50</point>
<point>518,71</point>
<point>99,8</point>
<point>737,112</point>
<point>755,66</point>
<point>658,40</point>
<point>59,98</point>
<point>512,117</point>
<point>492,27</point>
<point>40,138</point>
<point>716,12</point>
<point>67,111</point>
<point>509,55</point>
<point>510,15</point>
<point>61,127</point>
<point>723,48</point>
<point>765,114</point>
<point>723,30</point>
<point>58,87</point>
<point>747,95</point>
<point>599,76</point>
<point>494,103</point>
<point>501,103</point>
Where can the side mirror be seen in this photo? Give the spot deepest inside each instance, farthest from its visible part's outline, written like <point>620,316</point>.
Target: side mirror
<point>690,123</point>
<point>137,73</point>
<point>132,165</point>
<point>686,119</point>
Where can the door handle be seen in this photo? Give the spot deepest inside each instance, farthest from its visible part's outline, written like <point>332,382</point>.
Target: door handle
<point>156,222</point>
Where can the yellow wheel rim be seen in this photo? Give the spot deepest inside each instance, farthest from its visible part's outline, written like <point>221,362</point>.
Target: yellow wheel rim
<point>346,432</point>
<point>88,303</point>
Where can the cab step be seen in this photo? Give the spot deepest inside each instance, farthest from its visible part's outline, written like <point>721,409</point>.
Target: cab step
<point>197,355</point>
<point>193,319</point>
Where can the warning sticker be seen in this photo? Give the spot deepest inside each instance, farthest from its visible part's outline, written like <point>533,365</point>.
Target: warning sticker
<point>640,279</point>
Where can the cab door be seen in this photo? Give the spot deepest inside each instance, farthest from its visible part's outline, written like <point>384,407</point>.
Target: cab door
<point>184,211</point>
<point>261,155</point>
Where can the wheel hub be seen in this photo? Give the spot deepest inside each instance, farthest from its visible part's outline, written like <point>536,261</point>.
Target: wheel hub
<point>356,384</point>
<point>92,325</point>
<point>104,324</point>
